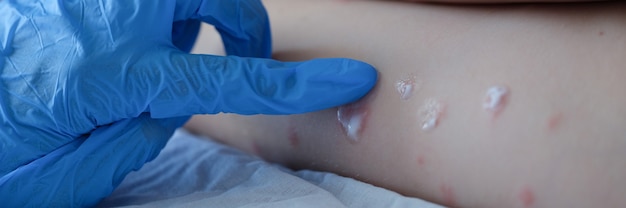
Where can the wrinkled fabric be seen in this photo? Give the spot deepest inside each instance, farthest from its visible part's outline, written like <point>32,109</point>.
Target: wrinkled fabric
<point>91,90</point>
<point>193,171</point>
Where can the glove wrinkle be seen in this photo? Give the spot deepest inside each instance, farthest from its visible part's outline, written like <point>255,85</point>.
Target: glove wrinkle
<point>91,90</point>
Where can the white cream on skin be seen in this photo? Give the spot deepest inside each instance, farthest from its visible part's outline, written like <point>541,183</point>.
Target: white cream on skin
<point>495,98</point>
<point>352,119</point>
<point>430,114</point>
<point>406,86</point>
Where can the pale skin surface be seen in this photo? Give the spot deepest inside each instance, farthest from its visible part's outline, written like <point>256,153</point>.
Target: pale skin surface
<point>560,140</point>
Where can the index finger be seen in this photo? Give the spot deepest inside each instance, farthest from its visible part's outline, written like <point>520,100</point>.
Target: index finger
<point>204,84</point>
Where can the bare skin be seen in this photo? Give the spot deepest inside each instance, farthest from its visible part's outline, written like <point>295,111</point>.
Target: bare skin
<point>558,141</point>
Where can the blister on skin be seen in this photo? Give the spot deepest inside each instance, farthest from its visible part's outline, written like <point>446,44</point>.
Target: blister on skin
<point>352,118</point>
<point>430,114</point>
<point>407,86</point>
<point>495,99</point>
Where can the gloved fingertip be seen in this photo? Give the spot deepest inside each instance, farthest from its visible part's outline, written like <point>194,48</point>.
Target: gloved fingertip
<point>352,77</point>
<point>324,83</point>
<point>361,72</point>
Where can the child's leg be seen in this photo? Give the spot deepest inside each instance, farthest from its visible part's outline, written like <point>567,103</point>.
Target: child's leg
<point>555,138</point>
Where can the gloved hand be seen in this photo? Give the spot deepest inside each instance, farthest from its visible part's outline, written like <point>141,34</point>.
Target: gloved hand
<point>91,90</point>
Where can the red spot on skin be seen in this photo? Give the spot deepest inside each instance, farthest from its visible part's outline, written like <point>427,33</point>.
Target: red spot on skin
<point>421,160</point>
<point>601,33</point>
<point>448,195</point>
<point>527,197</point>
<point>554,121</point>
<point>292,135</point>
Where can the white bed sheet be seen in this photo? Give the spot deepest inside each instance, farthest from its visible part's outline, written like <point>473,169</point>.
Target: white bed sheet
<point>197,172</point>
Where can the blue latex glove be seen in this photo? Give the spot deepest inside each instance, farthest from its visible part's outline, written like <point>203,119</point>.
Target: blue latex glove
<point>91,90</point>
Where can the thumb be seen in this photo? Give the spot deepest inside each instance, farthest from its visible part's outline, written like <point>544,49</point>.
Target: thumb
<point>86,170</point>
